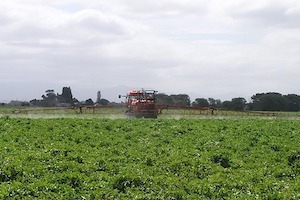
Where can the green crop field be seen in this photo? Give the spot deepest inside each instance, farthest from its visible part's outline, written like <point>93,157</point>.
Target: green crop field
<point>76,158</point>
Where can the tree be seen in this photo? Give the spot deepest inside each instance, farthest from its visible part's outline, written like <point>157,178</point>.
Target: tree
<point>227,105</point>
<point>50,99</point>
<point>66,96</point>
<point>293,102</point>
<point>98,97</point>
<point>200,102</point>
<point>238,103</point>
<point>89,102</point>
<point>181,99</point>
<point>162,98</point>
<point>36,102</point>
<point>271,101</point>
<point>215,103</point>
<point>103,102</point>
<point>25,103</point>
<point>76,101</point>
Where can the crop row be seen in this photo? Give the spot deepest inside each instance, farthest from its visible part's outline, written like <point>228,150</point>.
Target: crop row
<point>67,158</point>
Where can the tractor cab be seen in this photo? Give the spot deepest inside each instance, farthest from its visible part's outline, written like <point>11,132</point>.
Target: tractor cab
<point>141,103</point>
<point>140,96</point>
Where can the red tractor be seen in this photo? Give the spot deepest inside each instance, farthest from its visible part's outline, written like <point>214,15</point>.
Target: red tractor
<point>141,103</point>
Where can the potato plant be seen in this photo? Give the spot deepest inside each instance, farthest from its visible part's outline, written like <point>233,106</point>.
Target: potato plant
<point>71,158</point>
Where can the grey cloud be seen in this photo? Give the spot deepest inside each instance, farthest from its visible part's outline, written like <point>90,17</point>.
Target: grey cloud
<point>160,8</point>
<point>210,49</point>
<point>269,15</point>
<point>4,20</point>
<point>96,21</point>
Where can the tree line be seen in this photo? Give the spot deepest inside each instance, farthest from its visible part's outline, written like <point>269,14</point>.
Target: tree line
<point>271,101</point>
<point>52,99</point>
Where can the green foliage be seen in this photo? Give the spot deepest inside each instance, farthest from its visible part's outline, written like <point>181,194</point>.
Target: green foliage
<point>215,103</point>
<point>269,102</point>
<point>294,162</point>
<point>293,102</point>
<point>180,99</point>
<point>66,96</point>
<point>201,102</point>
<point>174,99</point>
<point>66,158</point>
<point>89,102</point>
<point>236,104</point>
<point>162,98</point>
<point>51,99</point>
<point>103,102</point>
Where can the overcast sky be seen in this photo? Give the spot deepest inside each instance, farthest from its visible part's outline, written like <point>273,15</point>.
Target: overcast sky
<point>203,48</point>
